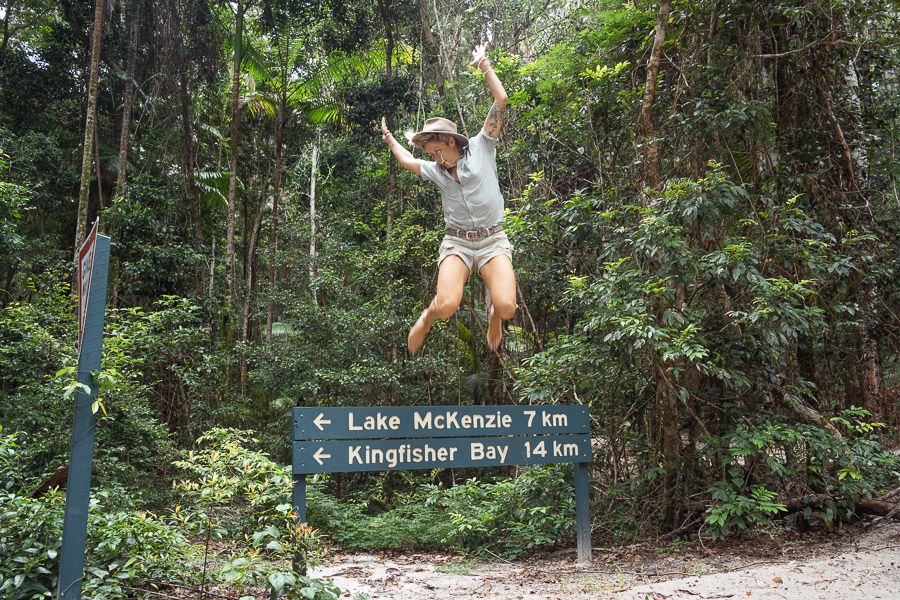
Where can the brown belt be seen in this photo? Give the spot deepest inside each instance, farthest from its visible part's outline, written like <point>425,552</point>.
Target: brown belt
<point>474,234</point>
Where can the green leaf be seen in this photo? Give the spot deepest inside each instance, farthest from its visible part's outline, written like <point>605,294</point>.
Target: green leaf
<point>309,592</point>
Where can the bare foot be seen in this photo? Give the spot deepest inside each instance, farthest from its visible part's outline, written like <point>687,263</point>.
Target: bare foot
<point>495,330</point>
<point>417,334</point>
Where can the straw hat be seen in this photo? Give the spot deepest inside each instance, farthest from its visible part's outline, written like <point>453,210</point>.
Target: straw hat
<point>439,125</point>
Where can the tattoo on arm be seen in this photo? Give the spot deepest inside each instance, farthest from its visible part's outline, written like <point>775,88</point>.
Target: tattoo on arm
<point>494,122</point>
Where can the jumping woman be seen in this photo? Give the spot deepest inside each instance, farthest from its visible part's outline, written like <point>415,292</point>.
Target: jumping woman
<point>465,171</point>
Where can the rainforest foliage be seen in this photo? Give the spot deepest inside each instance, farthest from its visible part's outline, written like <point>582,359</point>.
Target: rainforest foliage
<point>703,201</point>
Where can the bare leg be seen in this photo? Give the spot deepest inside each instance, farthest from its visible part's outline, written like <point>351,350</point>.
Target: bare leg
<point>500,280</point>
<point>452,277</point>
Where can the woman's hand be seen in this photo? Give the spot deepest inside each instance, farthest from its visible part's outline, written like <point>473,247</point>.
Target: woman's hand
<point>385,132</point>
<point>403,156</point>
<point>478,54</point>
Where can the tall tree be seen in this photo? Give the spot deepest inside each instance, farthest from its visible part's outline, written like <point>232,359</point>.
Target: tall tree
<point>431,49</point>
<point>387,20</point>
<point>666,386</point>
<point>313,171</point>
<point>134,9</point>
<point>288,48</point>
<point>188,164</point>
<point>232,178</point>
<point>89,125</point>
<point>646,129</point>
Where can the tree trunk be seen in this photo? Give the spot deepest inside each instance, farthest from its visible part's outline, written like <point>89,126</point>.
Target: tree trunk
<point>276,198</point>
<point>98,172</point>
<point>388,34</point>
<point>314,167</point>
<point>7,17</point>
<point>232,179</point>
<point>870,375</point>
<point>669,403</point>
<point>128,101</point>
<point>187,158</point>
<point>212,269</point>
<point>187,136</point>
<point>249,272</point>
<point>90,123</point>
<point>667,397</point>
<point>492,378</point>
<point>667,400</point>
<point>392,164</point>
<point>646,129</point>
<point>431,46</point>
<point>447,50</point>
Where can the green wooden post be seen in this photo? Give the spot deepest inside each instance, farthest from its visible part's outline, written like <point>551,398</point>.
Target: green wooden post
<point>299,497</point>
<point>582,512</point>
<point>298,500</point>
<point>78,488</point>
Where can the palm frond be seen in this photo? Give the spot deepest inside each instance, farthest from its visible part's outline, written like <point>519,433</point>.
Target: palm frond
<point>253,60</point>
<point>257,102</point>
<point>212,131</point>
<point>325,114</point>
<point>213,185</point>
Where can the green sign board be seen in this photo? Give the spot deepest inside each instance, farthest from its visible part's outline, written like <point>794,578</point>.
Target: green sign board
<point>387,455</point>
<point>366,422</point>
<point>358,438</point>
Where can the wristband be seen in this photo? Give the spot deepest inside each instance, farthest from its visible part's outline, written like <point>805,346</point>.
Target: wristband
<point>483,58</point>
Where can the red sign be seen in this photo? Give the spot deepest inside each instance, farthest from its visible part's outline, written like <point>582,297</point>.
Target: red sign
<point>85,266</point>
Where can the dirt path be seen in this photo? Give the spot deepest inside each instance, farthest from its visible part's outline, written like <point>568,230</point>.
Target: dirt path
<point>848,566</point>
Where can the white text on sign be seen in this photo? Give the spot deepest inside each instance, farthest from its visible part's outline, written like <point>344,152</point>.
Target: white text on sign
<point>478,451</point>
<point>403,454</point>
<point>376,422</point>
<point>557,449</point>
<point>448,421</point>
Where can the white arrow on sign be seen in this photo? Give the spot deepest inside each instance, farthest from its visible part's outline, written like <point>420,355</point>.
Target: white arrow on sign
<point>321,420</point>
<point>320,454</point>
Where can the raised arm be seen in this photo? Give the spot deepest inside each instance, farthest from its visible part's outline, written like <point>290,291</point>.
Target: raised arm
<point>403,156</point>
<point>494,121</point>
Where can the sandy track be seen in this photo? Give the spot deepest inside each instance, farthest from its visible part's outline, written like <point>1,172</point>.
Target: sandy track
<point>855,565</point>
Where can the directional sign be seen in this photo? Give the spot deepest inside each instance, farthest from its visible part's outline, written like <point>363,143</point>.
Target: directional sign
<point>93,268</point>
<point>85,271</point>
<point>368,438</point>
<point>389,455</point>
<point>356,423</point>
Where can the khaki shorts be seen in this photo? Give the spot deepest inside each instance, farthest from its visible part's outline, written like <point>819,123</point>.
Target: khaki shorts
<point>476,253</point>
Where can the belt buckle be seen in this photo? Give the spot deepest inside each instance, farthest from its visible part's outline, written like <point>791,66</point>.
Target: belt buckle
<point>473,234</point>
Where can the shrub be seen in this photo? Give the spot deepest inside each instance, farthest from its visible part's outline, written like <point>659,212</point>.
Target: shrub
<point>126,549</point>
<point>510,515</point>
<point>825,469</point>
<point>409,523</point>
<point>30,537</point>
<point>238,493</point>
<point>245,489</point>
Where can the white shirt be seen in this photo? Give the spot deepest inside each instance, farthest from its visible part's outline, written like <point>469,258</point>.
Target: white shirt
<point>475,202</point>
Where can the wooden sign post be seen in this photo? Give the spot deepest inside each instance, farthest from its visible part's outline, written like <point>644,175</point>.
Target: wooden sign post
<point>93,269</point>
<point>335,440</point>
